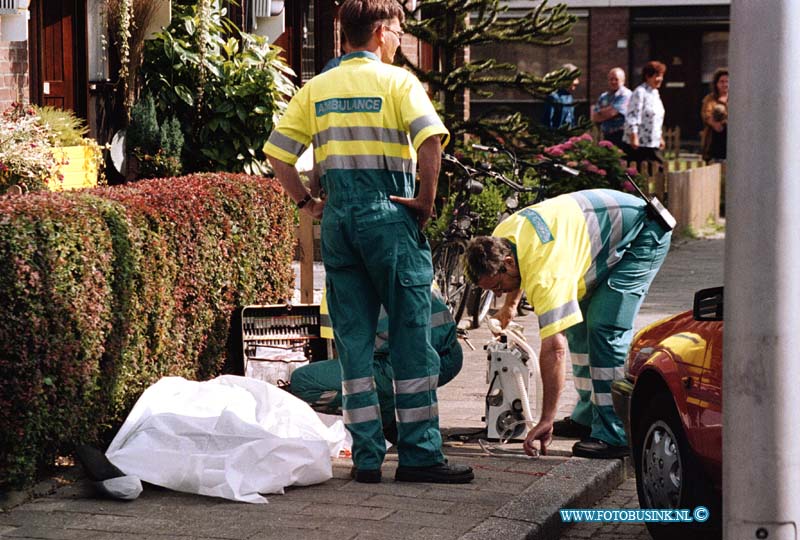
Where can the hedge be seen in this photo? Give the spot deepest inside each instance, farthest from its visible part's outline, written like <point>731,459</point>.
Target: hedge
<point>104,291</point>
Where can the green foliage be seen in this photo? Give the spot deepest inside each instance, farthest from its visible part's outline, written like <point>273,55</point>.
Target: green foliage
<point>225,87</point>
<point>172,137</point>
<point>67,129</point>
<point>442,24</point>
<point>142,134</point>
<point>600,165</point>
<point>157,149</point>
<point>104,291</point>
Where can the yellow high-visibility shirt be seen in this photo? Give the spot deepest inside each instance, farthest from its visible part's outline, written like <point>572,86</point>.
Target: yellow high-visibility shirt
<point>364,115</point>
<point>565,246</point>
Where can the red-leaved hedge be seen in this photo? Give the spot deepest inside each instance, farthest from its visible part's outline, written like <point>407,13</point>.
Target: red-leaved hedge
<point>104,291</point>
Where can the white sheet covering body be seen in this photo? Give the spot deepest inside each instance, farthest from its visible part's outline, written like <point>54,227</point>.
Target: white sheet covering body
<point>230,437</point>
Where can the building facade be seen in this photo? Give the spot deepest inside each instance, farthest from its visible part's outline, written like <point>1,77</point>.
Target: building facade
<point>689,37</point>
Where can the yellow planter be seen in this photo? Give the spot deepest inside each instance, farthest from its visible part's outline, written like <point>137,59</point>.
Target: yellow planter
<point>79,168</point>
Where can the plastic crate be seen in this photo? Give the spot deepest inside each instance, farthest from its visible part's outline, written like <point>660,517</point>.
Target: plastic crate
<point>279,338</point>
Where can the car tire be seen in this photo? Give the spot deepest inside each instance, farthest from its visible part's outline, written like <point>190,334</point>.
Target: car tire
<point>669,475</point>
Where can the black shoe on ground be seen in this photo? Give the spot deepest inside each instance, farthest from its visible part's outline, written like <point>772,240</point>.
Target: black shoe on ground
<point>442,473</point>
<point>96,464</point>
<point>366,476</point>
<point>571,429</point>
<point>597,449</point>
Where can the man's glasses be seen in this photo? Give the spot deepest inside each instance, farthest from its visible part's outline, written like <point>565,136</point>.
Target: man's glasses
<point>398,33</point>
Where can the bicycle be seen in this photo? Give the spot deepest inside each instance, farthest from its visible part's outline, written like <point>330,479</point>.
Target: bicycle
<point>448,255</point>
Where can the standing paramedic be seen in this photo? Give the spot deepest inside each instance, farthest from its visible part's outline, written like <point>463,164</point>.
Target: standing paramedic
<point>585,260</point>
<point>368,120</point>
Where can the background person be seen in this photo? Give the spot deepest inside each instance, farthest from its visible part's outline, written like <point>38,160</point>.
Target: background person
<point>559,108</point>
<point>644,120</point>
<point>585,260</point>
<point>714,112</point>
<point>320,383</point>
<point>364,117</point>
<point>611,107</point>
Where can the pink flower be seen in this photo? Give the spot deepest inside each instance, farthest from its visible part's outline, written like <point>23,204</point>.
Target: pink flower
<point>592,168</point>
<point>585,137</point>
<point>631,171</point>
<point>567,145</point>
<point>627,185</point>
<point>574,139</point>
<point>572,163</point>
<point>555,151</point>
<point>601,172</point>
<point>586,163</point>
<point>606,144</point>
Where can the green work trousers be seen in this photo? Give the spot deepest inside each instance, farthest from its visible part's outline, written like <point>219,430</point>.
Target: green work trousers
<point>607,329</point>
<point>374,254</point>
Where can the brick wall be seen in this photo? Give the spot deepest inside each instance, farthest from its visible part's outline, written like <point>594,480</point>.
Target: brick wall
<point>606,27</point>
<point>13,72</point>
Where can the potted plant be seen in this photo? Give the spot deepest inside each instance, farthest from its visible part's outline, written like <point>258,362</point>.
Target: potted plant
<point>79,157</point>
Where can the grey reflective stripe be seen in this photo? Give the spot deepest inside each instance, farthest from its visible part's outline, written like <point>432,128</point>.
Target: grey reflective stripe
<point>420,414</point>
<point>363,414</point>
<point>556,314</point>
<point>390,163</point>
<point>422,122</point>
<point>615,217</point>
<point>325,320</point>
<point>362,133</point>
<point>607,373</point>
<point>380,339</point>
<point>593,229</point>
<point>441,318</point>
<point>355,386</point>
<point>285,143</point>
<point>415,386</point>
<point>326,397</point>
<point>602,400</point>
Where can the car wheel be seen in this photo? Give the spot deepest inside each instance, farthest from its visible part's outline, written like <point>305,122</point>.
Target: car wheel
<point>669,475</point>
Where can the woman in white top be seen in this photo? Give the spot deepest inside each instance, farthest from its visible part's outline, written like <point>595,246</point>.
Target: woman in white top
<point>645,117</point>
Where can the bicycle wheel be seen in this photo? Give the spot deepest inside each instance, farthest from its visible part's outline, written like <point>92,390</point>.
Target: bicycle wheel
<point>448,271</point>
<point>482,305</point>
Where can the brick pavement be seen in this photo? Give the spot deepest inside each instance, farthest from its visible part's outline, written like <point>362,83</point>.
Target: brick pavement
<point>511,498</point>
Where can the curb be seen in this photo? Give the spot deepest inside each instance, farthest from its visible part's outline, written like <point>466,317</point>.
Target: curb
<point>534,513</point>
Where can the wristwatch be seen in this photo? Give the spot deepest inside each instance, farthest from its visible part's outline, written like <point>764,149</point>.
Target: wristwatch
<point>301,204</point>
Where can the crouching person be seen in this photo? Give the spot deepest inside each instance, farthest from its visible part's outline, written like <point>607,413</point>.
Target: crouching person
<point>585,260</point>
<point>320,383</point>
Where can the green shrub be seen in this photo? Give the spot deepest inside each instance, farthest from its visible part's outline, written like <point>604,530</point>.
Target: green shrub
<point>157,149</point>
<point>226,88</point>
<point>104,291</point>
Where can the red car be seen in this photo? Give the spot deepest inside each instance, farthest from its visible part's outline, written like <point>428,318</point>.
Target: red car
<point>671,403</point>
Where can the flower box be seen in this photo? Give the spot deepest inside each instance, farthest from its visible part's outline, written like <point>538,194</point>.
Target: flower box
<point>79,166</point>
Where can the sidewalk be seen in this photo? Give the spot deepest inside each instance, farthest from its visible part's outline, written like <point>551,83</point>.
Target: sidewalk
<point>511,497</point>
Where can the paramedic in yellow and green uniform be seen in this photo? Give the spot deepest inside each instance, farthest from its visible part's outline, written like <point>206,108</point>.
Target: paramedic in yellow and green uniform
<point>320,383</point>
<point>585,260</point>
<point>368,121</point>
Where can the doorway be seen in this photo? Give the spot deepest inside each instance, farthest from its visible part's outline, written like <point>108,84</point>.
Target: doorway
<point>58,54</point>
